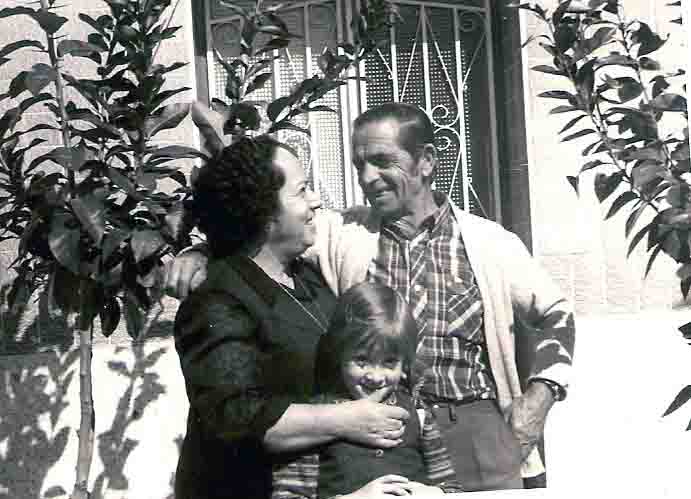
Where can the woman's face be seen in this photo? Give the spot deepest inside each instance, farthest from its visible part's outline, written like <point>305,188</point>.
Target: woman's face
<point>293,230</point>
<point>367,371</point>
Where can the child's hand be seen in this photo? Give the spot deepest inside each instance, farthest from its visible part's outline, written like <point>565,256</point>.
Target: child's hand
<point>417,489</point>
<point>382,487</point>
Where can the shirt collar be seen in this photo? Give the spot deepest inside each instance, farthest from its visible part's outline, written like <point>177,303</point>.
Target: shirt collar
<point>404,230</point>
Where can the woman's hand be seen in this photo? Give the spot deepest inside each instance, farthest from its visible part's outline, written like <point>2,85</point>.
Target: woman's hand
<point>368,422</point>
<point>387,485</point>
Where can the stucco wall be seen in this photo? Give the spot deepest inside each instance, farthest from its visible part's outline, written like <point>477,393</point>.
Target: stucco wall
<point>586,254</point>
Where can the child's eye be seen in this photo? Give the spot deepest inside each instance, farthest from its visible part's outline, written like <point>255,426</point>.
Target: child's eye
<point>391,363</point>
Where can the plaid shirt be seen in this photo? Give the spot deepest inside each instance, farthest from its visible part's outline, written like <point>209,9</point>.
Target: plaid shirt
<point>430,269</point>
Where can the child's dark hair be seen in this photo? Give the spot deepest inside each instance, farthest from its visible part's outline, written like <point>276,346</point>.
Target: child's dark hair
<point>370,316</point>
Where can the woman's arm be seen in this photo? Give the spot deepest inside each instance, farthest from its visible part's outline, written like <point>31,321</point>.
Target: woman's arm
<point>363,421</point>
<point>221,362</point>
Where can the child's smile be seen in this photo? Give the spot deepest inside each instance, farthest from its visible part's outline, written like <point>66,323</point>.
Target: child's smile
<point>364,374</point>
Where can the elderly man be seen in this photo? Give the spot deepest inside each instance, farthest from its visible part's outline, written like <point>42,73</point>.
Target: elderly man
<point>497,335</point>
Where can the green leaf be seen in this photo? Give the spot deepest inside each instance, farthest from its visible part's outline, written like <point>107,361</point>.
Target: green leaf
<point>556,94</point>
<point>633,218</point>
<point>660,84</point>
<point>242,115</point>
<point>560,11</point>
<point>637,238</point>
<point>542,68</point>
<point>49,22</point>
<point>63,240</point>
<point>629,89</point>
<point>176,152</point>
<point>563,109</point>
<point>277,106</point>
<point>91,213</point>
<point>624,198</point>
<point>648,64</point>
<point>574,183</point>
<point>649,40</point>
<point>9,120</point>
<point>580,133</point>
<point>110,316</point>
<point>653,255</point>
<point>286,125</point>
<point>593,164</point>
<point>18,84</point>
<point>111,242</point>
<point>167,117</point>
<point>682,398</point>
<point>78,48</point>
<point>165,95</point>
<point>258,82</point>
<point>645,172</point>
<point>571,123</point>
<point>607,184</point>
<point>11,47</point>
<point>134,316</point>
<point>669,102</point>
<point>39,77</point>
<point>145,243</point>
<point>102,24</point>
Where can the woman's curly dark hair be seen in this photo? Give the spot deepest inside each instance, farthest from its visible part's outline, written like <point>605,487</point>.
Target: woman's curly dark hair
<point>235,194</point>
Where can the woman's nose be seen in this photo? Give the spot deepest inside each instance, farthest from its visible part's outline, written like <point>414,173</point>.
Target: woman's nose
<point>314,200</point>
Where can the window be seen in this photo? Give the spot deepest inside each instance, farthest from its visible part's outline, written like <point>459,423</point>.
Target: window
<point>439,58</point>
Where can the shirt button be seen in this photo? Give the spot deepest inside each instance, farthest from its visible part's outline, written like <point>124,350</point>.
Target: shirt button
<point>417,288</point>
<point>379,452</point>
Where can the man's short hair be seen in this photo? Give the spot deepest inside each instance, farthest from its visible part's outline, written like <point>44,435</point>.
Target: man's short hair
<point>416,127</point>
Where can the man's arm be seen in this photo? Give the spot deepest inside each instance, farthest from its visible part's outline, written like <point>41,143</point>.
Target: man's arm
<point>544,335</point>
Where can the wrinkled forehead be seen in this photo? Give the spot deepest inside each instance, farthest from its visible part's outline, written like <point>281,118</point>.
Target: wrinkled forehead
<point>384,131</point>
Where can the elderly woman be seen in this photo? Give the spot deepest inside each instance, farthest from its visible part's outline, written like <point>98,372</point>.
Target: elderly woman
<point>247,336</point>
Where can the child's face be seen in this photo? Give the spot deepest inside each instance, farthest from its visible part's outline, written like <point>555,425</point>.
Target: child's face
<point>366,372</point>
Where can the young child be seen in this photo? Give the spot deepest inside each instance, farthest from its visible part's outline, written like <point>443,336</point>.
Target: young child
<point>370,349</point>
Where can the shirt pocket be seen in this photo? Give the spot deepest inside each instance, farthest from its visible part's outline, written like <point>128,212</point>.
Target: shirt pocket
<point>463,307</point>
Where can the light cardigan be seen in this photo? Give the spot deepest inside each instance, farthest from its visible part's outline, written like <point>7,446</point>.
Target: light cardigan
<point>509,280</point>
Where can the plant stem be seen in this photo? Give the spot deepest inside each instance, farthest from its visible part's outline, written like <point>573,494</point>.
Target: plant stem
<point>60,96</point>
<point>87,422</point>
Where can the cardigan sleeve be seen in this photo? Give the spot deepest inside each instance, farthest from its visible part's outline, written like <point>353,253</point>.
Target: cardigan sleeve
<point>437,460</point>
<point>543,317</point>
<point>222,364</point>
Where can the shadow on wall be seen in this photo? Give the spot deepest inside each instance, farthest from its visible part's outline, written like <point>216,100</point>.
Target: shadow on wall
<point>31,438</point>
<point>34,396</point>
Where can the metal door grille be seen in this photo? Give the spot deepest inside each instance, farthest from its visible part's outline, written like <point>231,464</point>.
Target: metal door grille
<point>439,58</point>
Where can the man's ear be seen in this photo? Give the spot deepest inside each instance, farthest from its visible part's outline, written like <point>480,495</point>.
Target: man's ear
<point>428,161</point>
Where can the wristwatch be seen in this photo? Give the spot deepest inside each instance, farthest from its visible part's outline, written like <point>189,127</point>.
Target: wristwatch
<point>557,390</point>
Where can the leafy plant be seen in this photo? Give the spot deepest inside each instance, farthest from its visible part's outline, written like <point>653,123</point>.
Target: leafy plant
<point>636,115</point>
<point>263,35</point>
<point>92,216</point>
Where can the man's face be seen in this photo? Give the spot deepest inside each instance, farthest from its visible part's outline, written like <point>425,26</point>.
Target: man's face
<point>389,176</point>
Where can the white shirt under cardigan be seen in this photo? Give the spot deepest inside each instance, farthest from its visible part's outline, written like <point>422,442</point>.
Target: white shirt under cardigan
<point>506,274</point>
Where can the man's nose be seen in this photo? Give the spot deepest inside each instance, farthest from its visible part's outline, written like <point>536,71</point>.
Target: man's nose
<point>368,174</point>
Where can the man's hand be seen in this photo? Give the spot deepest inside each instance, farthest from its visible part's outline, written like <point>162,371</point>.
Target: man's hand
<point>528,414</point>
<point>185,273</point>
